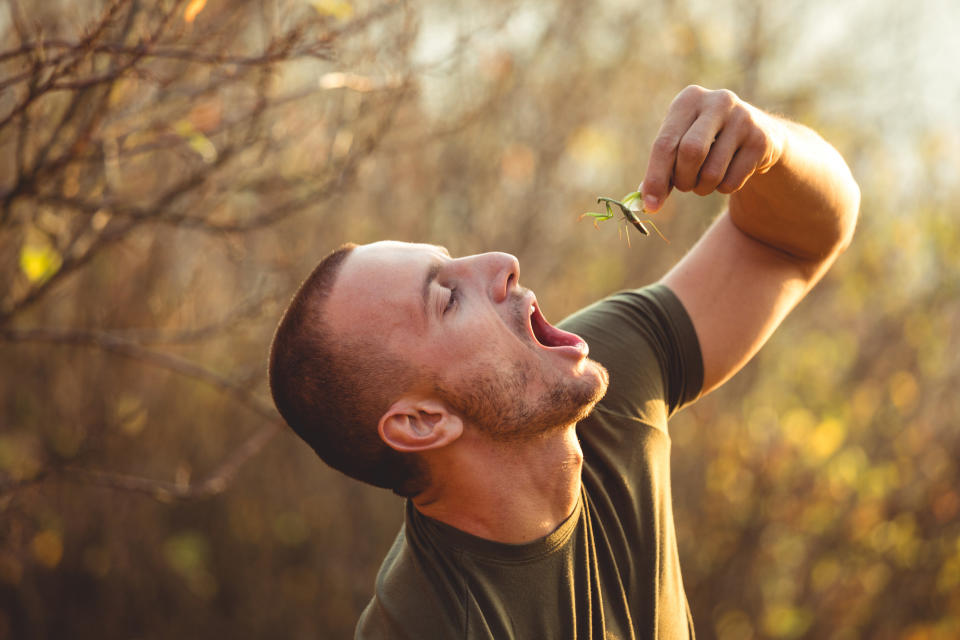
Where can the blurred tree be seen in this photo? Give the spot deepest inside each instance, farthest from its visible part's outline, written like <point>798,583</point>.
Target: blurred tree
<point>143,145</point>
<point>169,116</point>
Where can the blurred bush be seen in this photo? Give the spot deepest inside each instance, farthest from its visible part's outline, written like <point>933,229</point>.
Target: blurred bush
<point>171,170</point>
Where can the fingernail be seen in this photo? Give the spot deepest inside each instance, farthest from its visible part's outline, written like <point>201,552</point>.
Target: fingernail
<point>651,202</point>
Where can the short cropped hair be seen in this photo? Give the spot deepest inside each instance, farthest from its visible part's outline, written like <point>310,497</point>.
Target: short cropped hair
<point>332,390</point>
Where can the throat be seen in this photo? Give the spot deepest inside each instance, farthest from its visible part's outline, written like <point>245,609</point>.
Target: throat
<point>534,488</point>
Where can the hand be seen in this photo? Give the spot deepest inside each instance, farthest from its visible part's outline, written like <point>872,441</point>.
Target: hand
<point>710,141</point>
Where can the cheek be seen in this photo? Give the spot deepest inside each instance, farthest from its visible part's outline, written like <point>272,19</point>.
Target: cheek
<point>476,344</point>
<point>449,356</point>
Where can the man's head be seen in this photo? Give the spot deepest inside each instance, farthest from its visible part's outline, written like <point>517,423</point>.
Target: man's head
<point>330,387</point>
<point>390,351</point>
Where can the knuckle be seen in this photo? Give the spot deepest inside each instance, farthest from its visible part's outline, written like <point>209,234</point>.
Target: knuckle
<point>756,141</point>
<point>728,185</point>
<point>690,149</point>
<point>653,186</point>
<point>664,144</point>
<point>732,184</point>
<point>726,98</point>
<point>690,93</point>
<point>654,183</point>
<point>741,116</point>
<point>710,175</point>
<point>703,188</point>
<point>685,180</point>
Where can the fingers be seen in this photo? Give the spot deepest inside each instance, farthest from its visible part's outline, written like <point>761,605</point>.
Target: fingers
<point>715,168</point>
<point>709,141</point>
<point>699,142</point>
<point>742,167</point>
<point>658,181</point>
<point>760,146</point>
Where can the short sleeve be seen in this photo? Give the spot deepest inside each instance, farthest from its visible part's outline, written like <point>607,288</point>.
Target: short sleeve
<point>649,346</point>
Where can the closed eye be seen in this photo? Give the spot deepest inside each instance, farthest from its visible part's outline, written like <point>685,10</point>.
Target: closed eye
<point>452,300</point>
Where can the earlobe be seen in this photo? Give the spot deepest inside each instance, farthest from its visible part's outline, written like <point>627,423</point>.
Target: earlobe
<point>418,424</point>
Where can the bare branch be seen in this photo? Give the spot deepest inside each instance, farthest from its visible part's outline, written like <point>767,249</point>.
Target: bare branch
<point>320,49</point>
<point>51,83</point>
<point>148,337</point>
<point>215,482</point>
<point>65,145</point>
<point>121,346</point>
<point>154,215</point>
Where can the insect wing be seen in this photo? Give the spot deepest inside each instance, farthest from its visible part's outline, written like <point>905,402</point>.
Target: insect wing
<point>630,198</point>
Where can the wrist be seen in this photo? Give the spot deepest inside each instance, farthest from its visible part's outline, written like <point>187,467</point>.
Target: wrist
<point>778,136</point>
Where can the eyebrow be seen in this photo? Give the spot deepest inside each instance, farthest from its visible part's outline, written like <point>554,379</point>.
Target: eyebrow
<point>431,275</point>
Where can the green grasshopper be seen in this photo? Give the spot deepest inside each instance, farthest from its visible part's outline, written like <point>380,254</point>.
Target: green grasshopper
<point>629,215</point>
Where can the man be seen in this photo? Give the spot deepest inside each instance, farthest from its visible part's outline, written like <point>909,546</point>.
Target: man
<point>536,458</point>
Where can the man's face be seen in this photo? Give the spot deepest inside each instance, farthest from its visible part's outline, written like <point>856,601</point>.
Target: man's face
<point>476,337</point>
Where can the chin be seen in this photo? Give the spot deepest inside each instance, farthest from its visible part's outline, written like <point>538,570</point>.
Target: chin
<point>593,386</point>
<point>599,373</point>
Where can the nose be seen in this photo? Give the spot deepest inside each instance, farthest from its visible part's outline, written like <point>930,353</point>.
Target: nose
<point>499,271</point>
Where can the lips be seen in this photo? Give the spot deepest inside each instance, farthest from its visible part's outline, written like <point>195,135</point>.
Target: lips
<point>548,336</point>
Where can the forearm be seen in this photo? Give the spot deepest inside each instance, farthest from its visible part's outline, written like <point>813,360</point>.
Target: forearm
<point>805,205</point>
<point>793,207</point>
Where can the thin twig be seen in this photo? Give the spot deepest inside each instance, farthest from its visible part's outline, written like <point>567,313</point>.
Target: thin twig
<point>121,346</point>
<point>215,482</point>
<point>319,49</point>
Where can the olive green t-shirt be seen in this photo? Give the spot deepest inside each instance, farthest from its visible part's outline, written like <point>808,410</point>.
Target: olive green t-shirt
<point>611,570</point>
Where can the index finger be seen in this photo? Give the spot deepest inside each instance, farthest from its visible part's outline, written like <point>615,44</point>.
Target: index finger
<point>658,181</point>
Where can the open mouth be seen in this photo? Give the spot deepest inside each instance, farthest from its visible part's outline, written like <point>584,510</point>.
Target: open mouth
<point>550,337</point>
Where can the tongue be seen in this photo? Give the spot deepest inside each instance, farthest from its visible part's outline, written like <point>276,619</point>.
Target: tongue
<point>548,335</point>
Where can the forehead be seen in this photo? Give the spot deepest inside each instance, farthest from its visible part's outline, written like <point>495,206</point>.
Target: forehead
<point>380,285</point>
<point>389,252</point>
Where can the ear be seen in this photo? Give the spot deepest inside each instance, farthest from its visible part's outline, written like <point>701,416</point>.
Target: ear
<point>419,424</point>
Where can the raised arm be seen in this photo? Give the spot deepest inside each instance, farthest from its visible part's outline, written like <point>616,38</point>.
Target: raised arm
<point>792,211</point>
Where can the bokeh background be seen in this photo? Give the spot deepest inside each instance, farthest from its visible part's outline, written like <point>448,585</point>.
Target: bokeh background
<point>170,171</point>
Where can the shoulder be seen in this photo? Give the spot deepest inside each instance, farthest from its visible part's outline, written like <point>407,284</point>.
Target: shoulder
<point>413,597</point>
<point>645,339</point>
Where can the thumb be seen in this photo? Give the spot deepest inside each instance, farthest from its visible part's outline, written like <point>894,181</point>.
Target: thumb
<point>654,193</point>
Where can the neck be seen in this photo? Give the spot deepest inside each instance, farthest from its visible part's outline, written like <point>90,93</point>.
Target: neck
<point>505,491</point>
